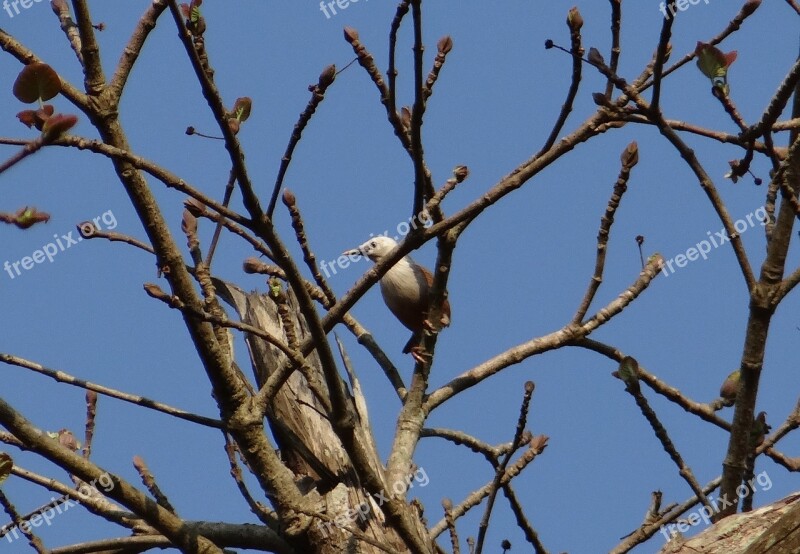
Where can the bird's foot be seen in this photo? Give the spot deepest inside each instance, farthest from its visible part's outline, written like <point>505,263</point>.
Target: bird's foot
<point>420,355</point>
<point>428,325</point>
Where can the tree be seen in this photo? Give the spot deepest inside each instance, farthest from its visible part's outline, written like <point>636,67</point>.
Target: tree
<point>301,447</point>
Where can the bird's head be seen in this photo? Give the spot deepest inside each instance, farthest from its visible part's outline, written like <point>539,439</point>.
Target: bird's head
<point>375,248</point>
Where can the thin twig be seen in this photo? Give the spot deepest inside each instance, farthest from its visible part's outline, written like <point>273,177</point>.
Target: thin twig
<point>616,17</point>
<point>62,377</point>
<point>447,505</point>
<point>629,158</point>
<point>632,387</point>
<point>522,522</point>
<point>30,148</point>
<point>536,447</point>
<point>91,418</point>
<point>226,199</point>
<point>326,78</point>
<point>662,53</point>
<point>576,49</point>
<point>149,481</point>
<point>556,339</point>
<point>501,468</point>
<point>263,513</point>
<point>33,540</point>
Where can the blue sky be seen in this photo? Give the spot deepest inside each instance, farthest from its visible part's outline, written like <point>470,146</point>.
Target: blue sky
<point>519,272</point>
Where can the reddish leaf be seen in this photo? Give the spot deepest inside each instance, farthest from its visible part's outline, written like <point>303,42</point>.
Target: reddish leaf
<point>57,125</point>
<point>27,118</point>
<point>37,81</point>
<point>66,439</point>
<point>36,118</point>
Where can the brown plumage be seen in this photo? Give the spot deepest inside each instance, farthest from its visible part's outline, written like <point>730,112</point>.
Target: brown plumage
<point>405,289</point>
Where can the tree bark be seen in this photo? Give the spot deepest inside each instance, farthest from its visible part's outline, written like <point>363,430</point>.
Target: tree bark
<point>308,444</point>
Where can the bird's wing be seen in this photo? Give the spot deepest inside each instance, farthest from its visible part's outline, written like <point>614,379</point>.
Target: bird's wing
<point>445,321</point>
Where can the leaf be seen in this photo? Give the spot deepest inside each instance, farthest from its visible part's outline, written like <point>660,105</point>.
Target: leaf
<point>26,217</point>
<point>628,369</point>
<point>6,463</point>
<point>242,107</point>
<point>36,118</point>
<point>27,118</point>
<point>730,387</point>
<point>194,11</point>
<point>595,57</point>
<point>66,439</point>
<point>36,81</point>
<point>712,62</point>
<point>57,125</point>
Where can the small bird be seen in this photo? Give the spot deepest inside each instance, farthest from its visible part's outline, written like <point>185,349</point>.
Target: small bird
<point>405,289</point>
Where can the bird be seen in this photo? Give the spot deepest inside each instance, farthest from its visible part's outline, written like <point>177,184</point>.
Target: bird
<point>405,289</point>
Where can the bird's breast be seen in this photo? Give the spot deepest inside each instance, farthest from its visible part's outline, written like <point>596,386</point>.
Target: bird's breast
<point>405,292</point>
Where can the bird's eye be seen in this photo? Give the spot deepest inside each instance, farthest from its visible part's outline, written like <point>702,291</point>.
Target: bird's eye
<point>372,244</point>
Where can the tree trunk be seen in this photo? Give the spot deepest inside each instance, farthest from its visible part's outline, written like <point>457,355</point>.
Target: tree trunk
<point>308,444</point>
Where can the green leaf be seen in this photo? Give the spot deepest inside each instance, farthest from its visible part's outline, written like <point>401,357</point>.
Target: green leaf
<point>712,62</point>
<point>628,370</point>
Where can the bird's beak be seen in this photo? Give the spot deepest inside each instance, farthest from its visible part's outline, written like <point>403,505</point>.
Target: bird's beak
<point>354,252</point>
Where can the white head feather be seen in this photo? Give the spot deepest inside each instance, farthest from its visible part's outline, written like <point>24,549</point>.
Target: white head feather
<point>377,248</point>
